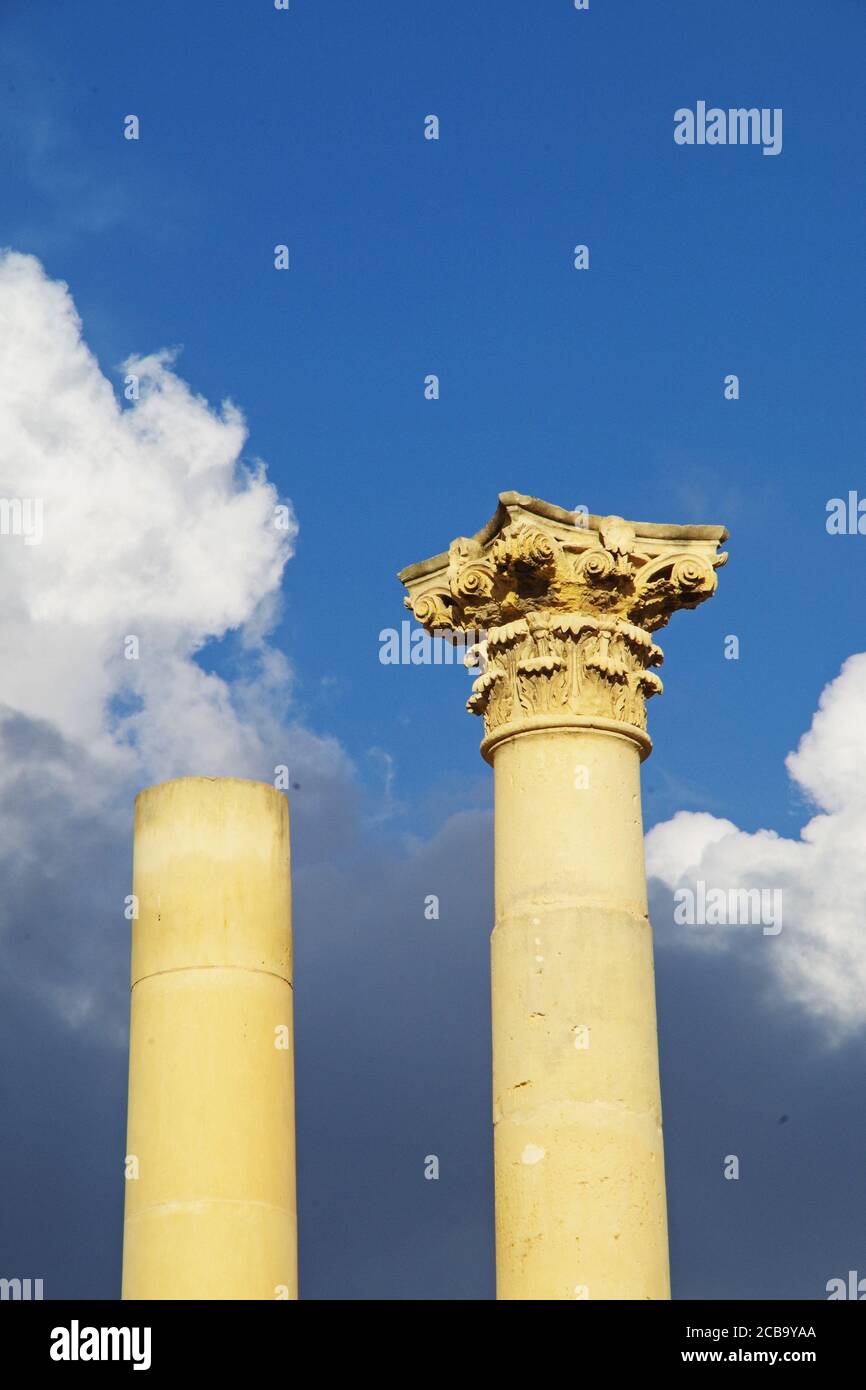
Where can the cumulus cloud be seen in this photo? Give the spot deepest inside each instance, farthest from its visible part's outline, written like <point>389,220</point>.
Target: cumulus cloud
<point>152,527</point>
<point>127,528</point>
<point>818,960</point>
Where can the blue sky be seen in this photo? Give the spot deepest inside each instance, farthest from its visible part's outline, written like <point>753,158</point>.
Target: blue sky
<point>602,388</point>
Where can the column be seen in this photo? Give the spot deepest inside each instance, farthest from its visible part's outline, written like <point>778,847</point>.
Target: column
<point>210,1188</point>
<point>561,607</point>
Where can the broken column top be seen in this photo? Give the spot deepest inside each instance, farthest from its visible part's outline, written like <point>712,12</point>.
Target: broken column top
<point>533,556</point>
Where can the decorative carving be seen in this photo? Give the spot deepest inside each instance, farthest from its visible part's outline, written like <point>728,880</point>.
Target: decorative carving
<point>525,569</point>
<point>567,602</point>
<point>566,664</point>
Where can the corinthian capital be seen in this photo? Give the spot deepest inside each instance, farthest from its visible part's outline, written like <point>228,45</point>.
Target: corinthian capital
<point>563,603</point>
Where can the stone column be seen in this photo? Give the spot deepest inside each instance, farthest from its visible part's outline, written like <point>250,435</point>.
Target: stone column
<point>210,1190</point>
<point>562,606</point>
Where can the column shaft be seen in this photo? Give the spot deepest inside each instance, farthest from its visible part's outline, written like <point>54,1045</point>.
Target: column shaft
<point>210,1192</point>
<point>579,1167</point>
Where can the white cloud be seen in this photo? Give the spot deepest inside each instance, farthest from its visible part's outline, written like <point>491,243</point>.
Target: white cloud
<point>818,960</point>
<point>154,527</point>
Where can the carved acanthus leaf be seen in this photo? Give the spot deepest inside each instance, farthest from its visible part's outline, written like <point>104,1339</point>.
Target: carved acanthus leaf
<point>574,664</point>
